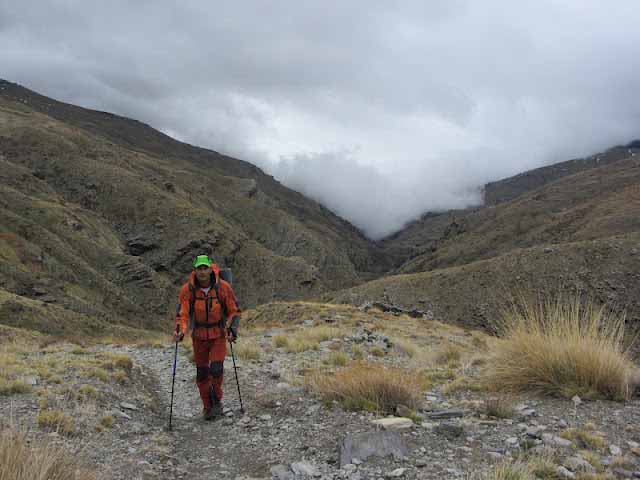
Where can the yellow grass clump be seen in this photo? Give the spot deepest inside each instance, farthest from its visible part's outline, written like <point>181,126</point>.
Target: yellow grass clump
<point>366,386</point>
<point>305,339</point>
<point>20,461</point>
<point>524,467</point>
<point>338,359</point>
<point>13,387</point>
<point>584,438</point>
<point>58,421</point>
<point>510,470</point>
<point>321,333</point>
<point>280,341</point>
<point>405,347</point>
<point>562,348</point>
<point>499,407</point>
<point>246,350</point>
<point>117,361</point>
<point>86,392</point>
<point>450,354</point>
<point>106,422</point>
<point>298,345</point>
<point>357,352</point>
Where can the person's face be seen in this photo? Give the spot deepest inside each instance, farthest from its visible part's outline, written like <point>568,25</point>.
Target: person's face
<point>203,273</point>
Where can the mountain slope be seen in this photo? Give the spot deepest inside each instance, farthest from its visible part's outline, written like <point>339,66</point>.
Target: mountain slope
<point>596,203</point>
<point>473,294</point>
<point>578,233</point>
<point>102,215</point>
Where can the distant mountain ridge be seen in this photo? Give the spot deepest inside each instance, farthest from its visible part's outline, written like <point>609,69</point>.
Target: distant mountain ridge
<point>512,187</point>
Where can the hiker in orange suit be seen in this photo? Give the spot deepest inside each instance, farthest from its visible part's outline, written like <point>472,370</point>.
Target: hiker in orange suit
<point>207,306</point>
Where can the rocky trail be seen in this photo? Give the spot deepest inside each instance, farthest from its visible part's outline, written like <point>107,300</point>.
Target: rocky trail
<point>287,433</point>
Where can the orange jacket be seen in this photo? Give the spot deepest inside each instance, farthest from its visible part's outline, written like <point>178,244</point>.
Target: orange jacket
<point>208,322</point>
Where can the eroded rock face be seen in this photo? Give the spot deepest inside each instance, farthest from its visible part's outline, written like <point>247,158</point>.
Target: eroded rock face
<point>140,245</point>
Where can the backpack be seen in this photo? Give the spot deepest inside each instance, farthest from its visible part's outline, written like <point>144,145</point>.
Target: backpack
<point>226,275</point>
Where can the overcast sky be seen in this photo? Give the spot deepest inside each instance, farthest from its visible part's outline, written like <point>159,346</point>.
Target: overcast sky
<point>380,110</point>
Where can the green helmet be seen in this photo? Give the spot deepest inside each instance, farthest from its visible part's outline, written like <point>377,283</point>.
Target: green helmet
<point>201,260</point>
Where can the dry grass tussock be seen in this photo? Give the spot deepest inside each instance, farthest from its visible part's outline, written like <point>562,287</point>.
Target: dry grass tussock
<point>524,468</point>
<point>499,407</point>
<point>366,386</point>
<point>245,349</point>
<point>306,339</point>
<point>562,348</point>
<point>585,438</point>
<point>20,461</point>
<point>451,353</point>
<point>405,347</point>
<point>13,367</point>
<point>57,421</point>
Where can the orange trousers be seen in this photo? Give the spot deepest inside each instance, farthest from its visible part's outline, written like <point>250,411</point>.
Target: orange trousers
<point>209,356</point>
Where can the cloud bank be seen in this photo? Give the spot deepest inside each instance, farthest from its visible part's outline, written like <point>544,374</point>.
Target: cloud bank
<point>380,111</point>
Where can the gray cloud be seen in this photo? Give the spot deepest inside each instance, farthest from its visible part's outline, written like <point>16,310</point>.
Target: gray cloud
<point>381,111</point>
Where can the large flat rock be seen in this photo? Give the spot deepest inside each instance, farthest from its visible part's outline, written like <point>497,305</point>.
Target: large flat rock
<point>394,423</point>
<point>364,445</point>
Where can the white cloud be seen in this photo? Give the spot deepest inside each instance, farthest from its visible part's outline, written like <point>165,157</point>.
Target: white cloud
<point>381,111</point>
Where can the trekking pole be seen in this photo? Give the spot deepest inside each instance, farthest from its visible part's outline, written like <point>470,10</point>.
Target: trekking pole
<point>173,380</point>
<point>233,357</point>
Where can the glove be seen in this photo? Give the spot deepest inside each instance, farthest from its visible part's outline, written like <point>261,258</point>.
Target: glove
<point>178,336</point>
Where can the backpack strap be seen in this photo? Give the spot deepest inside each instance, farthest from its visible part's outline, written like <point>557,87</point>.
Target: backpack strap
<point>223,320</point>
<point>192,291</point>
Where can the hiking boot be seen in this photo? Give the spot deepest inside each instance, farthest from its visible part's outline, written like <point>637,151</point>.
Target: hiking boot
<point>209,414</point>
<point>216,408</point>
<point>216,405</point>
